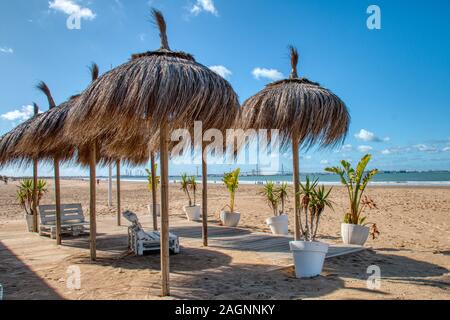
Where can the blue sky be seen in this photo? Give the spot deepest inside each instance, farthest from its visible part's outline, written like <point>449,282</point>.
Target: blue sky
<point>395,81</point>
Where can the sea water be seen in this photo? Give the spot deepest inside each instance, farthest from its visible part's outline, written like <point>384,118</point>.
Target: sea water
<point>400,178</point>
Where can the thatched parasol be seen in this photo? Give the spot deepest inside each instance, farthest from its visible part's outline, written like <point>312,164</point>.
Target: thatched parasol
<point>153,93</point>
<point>305,114</point>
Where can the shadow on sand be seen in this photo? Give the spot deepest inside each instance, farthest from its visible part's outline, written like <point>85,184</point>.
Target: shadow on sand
<point>19,281</point>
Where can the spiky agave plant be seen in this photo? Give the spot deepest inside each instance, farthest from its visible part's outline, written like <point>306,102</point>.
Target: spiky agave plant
<point>193,186</point>
<point>150,178</point>
<point>185,182</point>
<point>270,193</point>
<point>283,195</point>
<point>306,194</point>
<point>25,194</point>
<point>319,201</point>
<point>231,180</point>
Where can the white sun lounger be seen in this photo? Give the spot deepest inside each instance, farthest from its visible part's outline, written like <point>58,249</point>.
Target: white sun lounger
<point>72,220</point>
<point>140,241</point>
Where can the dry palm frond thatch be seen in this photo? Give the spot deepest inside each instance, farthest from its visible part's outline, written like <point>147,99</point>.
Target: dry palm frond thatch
<point>124,107</point>
<point>301,109</point>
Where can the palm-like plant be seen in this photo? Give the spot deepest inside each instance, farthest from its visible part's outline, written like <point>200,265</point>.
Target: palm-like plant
<point>269,191</point>
<point>231,180</point>
<point>185,183</point>
<point>193,186</point>
<point>356,182</point>
<point>150,179</point>
<point>318,203</point>
<point>282,192</point>
<point>306,194</point>
<point>25,194</point>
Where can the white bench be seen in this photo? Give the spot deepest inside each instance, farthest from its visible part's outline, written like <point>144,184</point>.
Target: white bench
<point>72,220</point>
<point>140,241</point>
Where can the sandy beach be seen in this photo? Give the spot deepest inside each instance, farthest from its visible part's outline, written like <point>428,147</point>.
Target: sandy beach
<point>413,251</point>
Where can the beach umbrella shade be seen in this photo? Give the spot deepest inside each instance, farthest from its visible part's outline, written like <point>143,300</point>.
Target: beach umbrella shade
<point>159,91</point>
<point>9,154</point>
<point>305,114</point>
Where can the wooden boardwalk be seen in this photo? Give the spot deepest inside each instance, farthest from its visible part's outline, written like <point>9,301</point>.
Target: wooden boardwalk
<point>267,246</point>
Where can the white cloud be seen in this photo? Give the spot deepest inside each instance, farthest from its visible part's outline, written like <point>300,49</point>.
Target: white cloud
<point>425,148</point>
<point>142,37</point>
<point>23,114</point>
<point>271,74</point>
<point>367,136</point>
<point>324,162</point>
<point>6,50</point>
<point>386,151</point>
<point>446,149</point>
<point>347,148</point>
<point>71,8</point>
<point>204,5</point>
<point>365,148</point>
<point>222,71</point>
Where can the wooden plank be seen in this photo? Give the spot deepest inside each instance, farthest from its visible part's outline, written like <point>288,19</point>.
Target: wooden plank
<point>57,202</point>
<point>92,202</point>
<point>204,197</point>
<point>155,216</point>
<point>296,180</point>
<point>118,192</point>
<point>165,286</point>
<point>35,196</point>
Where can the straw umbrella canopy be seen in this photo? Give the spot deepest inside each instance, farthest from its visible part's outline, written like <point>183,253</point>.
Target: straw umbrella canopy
<point>156,91</point>
<point>305,114</point>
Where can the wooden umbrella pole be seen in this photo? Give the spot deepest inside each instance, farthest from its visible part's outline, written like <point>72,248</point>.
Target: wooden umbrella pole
<point>155,216</point>
<point>204,197</point>
<point>57,201</point>
<point>92,200</point>
<point>35,195</point>
<point>118,193</point>
<point>164,159</point>
<point>296,180</point>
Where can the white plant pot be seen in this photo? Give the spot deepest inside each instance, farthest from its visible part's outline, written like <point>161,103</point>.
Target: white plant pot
<point>230,219</point>
<point>158,210</point>
<point>29,219</point>
<point>193,213</point>
<point>308,257</point>
<point>279,224</point>
<point>354,234</point>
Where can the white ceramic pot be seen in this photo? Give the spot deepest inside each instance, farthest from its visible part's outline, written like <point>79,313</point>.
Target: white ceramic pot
<point>193,213</point>
<point>29,219</point>
<point>308,257</point>
<point>279,224</point>
<point>230,219</point>
<point>354,234</point>
<point>158,210</point>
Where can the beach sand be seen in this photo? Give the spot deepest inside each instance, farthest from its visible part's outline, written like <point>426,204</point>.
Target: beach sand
<point>413,251</point>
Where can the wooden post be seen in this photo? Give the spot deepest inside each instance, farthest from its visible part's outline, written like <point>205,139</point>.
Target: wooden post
<point>164,159</point>
<point>57,201</point>
<point>204,197</point>
<point>118,193</point>
<point>35,195</point>
<point>110,185</point>
<point>92,202</point>
<point>296,180</point>
<point>155,217</point>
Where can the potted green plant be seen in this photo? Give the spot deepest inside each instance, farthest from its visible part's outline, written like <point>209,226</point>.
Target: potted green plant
<point>278,223</point>
<point>231,181</point>
<point>354,229</point>
<point>309,254</point>
<point>192,211</point>
<point>25,198</point>
<point>150,188</point>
